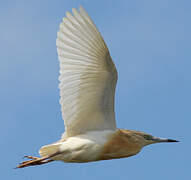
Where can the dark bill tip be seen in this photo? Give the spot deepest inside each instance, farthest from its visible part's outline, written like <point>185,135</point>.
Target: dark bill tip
<point>172,140</point>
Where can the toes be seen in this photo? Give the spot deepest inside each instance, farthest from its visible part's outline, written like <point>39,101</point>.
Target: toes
<point>30,157</point>
<point>24,162</point>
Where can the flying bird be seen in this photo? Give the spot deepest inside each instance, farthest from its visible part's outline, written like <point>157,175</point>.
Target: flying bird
<point>88,80</point>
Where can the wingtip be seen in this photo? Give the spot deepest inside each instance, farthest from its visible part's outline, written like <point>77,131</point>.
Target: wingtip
<point>81,9</point>
<point>74,9</point>
<point>67,13</point>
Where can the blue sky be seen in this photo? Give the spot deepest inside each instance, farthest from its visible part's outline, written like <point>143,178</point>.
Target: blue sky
<point>150,44</point>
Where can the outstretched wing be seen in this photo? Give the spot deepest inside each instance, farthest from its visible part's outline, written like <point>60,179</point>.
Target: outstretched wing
<point>87,76</point>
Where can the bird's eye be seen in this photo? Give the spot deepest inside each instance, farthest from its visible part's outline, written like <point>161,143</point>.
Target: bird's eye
<point>148,137</point>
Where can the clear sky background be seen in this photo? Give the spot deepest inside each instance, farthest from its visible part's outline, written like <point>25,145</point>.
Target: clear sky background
<point>149,41</point>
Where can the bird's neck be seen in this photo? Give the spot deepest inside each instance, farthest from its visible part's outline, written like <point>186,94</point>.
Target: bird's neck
<point>121,144</point>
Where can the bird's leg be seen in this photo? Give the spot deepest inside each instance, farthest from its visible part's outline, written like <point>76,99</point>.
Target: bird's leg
<point>33,162</point>
<point>37,160</point>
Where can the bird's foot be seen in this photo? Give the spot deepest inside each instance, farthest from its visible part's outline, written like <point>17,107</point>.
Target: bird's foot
<point>33,162</point>
<point>37,160</point>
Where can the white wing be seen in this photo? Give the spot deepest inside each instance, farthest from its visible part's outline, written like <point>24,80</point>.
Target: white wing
<point>87,76</point>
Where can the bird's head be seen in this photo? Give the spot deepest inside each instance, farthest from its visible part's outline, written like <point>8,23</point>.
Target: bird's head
<point>143,139</point>
<point>149,139</point>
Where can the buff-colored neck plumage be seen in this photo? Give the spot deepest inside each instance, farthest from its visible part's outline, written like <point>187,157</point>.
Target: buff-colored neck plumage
<point>123,143</point>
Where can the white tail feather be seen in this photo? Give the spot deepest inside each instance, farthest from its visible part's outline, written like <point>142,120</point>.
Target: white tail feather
<point>49,149</point>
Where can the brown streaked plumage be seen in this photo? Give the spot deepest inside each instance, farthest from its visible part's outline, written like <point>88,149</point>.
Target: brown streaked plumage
<point>88,80</point>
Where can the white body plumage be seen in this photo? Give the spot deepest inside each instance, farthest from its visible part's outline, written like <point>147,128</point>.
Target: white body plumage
<point>83,148</point>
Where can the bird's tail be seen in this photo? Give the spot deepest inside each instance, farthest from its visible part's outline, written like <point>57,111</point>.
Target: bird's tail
<point>49,149</point>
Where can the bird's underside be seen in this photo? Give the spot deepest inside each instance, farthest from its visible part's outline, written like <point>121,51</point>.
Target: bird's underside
<point>93,146</point>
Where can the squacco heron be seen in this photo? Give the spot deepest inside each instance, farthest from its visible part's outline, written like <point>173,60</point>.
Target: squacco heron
<point>88,80</point>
